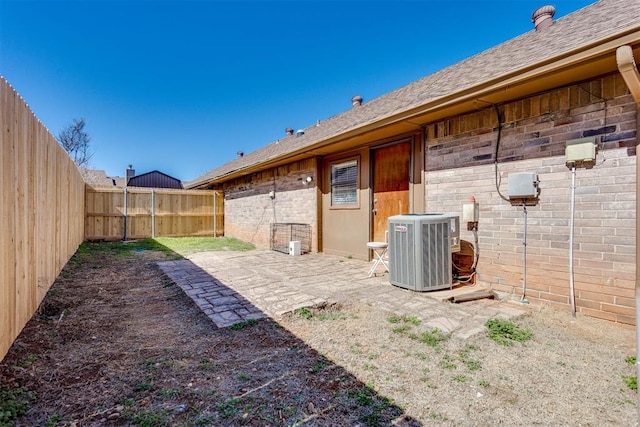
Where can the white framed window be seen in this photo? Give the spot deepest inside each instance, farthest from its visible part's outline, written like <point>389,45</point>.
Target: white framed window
<point>344,183</point>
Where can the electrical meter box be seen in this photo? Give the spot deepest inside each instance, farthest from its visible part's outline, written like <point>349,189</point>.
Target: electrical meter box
<point>523,185</point>
<point>581,152</point>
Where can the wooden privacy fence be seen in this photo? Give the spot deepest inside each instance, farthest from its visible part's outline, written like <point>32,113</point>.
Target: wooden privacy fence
<point>41,213</point>
<point>140,213</point>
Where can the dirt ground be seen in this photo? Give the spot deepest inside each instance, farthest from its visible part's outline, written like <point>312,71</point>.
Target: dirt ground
<point>115,342</point>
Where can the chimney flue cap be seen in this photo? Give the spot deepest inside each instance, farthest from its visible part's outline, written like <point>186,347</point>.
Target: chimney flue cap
<point>356,100</point>
<point>289,131</point>
<point>543,17</point>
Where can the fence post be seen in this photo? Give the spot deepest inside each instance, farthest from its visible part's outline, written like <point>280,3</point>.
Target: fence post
<point>153,214</point>
<point>125,214</point>
<point>215,214</point>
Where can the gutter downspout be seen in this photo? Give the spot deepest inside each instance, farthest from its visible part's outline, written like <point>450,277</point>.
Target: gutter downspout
<point>629,71</point>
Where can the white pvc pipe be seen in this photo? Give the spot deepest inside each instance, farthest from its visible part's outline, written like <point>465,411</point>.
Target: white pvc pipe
<point>524,254</point>
<point>571,216</point>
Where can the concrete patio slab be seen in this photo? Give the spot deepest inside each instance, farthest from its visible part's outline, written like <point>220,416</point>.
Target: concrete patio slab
<point>232,287</point>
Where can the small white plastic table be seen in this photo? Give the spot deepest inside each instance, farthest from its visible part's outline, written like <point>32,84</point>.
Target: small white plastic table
<point>380,251</point>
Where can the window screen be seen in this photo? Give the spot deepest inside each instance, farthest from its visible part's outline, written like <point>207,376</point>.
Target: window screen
<point>344,183</point>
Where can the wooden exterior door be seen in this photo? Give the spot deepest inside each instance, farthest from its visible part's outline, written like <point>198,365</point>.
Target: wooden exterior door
<point>390,185</point>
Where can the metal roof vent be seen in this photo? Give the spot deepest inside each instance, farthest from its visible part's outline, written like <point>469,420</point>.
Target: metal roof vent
<point>356,100</point>
<point>299,132</point>
<point>240,154</point>
<point>289,131</point>
<point>543,17</point>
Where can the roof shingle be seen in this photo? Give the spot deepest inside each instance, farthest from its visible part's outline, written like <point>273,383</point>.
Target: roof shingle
<point>591,24</point>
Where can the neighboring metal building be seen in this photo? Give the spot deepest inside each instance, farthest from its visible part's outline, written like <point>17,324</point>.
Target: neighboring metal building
<point>154,179</point>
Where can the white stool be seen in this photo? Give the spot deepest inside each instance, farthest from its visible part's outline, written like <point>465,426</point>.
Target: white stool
<point>380,251</point>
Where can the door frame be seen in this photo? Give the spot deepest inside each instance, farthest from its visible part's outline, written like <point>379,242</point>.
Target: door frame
<point>407,139</point>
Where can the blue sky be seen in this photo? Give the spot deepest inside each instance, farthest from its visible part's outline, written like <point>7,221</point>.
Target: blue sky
<point>182,86</point>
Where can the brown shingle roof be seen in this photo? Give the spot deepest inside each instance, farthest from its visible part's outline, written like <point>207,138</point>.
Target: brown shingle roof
<point>598,21</point>
<point>99,178</point>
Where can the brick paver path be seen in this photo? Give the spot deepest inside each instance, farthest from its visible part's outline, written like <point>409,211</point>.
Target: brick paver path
<point>232,287</point>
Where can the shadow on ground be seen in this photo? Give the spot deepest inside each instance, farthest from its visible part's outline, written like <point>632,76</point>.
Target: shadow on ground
<point>116,342</point>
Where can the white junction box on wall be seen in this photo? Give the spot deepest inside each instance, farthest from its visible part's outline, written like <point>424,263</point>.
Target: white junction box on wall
<point>581,152</point>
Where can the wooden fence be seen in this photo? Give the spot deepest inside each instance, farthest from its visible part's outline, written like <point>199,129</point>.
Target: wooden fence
<point>41,213</point>
<point>138,213</point>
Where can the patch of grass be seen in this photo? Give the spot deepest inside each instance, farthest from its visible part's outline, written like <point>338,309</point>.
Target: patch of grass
<point>413,320</point>
<point>229,408</point>
<point>464,355</point>
<point>631,382</point>
<point>364,395</point>
<point>190,245</point>
<point>319,366</point>
<point>243,377</point>
<point>433,338</point>
<point>131,247</point>
<point>53,420</point>
<point>170,392</point>
<point>27,361</point>
<point>448,362</point>
<point>330,316</point>
<point>505,332</point>
<point>303,312</point>
<point>437,416</point>
<point>422,356</point>
<point>322,313</point>
<point>14,402</point>
<point>242,325</point>
<point>472,364</point>
<point>401,329</point>
<point>461,378</point>
<point>143,386</point>
<point>206,365</point>
<point>151,418</point>
<point>483,383</point>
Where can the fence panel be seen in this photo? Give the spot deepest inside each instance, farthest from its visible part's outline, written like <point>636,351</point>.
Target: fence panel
<point>41,206</point>
<point>140,213</point>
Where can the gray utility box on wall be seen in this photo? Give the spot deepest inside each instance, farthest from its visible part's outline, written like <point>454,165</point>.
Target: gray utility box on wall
<point>523,185</point>
<point>420,247</point>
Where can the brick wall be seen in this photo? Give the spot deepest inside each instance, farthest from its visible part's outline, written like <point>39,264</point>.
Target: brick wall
<point>533,138</point>
<point>250,211</point>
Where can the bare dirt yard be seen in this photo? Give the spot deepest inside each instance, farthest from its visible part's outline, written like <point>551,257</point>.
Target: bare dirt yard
<point>115,342</point>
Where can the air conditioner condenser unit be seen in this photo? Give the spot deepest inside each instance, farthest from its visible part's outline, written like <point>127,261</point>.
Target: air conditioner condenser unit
<point>420,247</point>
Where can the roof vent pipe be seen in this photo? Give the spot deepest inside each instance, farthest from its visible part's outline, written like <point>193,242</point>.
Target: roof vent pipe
<point>289,131</point>
<point>543,17</point>
<point>356,100</point>
<point>299,132</point>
